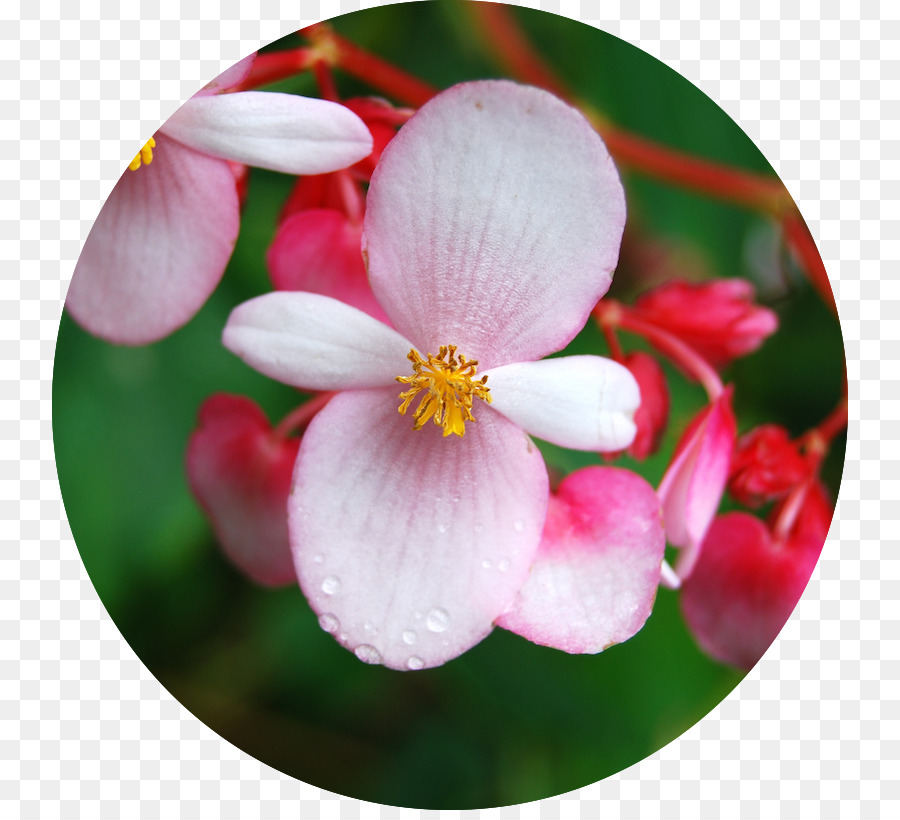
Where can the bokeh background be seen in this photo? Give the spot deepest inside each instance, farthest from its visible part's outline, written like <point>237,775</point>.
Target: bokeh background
<point>507,722</point>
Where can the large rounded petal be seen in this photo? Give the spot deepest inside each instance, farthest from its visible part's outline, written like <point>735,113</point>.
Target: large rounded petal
<point>158,248</point>
<point>315,342</point>
<point>580,402</point>
<point>493,223</point>
<point>281,132</point>
<point>318,251</point>
<point>407,544</point>
<point>594,580</point>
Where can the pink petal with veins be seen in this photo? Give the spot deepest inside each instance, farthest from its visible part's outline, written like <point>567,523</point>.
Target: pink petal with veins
<point>507,200</point>
<point>407,544</point>
<point>158,248</point>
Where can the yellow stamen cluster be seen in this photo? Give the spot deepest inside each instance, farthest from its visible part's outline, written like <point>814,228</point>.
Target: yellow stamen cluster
<point>450,387</point>
<point>145,155</point>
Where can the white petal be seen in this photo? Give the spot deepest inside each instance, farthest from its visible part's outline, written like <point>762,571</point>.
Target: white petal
<point>281,132</point>
<point>315,342</point>
<point>580,402</point>
<point>407,544</point>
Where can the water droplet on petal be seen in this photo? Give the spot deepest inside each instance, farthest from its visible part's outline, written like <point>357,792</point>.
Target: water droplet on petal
<point>370,628</point>
<point>329,623</point>
<point>417,616</point>
<point>503,565</point>
<point>479,528</point>
<point>519,525</point>
<point>456,499</point>
<point>409,637</point>
<point>442,528</point>
<point>486,564</point>
<point>331,585</point>
<point>367,653</point>
<point>438,620</point>
<point>318,558</point>
<point>415,663</point>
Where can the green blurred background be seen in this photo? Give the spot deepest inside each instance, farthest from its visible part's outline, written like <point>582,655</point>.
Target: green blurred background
<point>509,721</point>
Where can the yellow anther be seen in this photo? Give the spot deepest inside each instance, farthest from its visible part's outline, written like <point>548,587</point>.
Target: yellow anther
<point>449,386</point>
<point>145,155</point>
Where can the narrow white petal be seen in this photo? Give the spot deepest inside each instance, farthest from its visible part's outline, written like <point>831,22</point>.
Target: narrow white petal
<point>580,402</point>
<point>281,132</point>
<point>315,342</point>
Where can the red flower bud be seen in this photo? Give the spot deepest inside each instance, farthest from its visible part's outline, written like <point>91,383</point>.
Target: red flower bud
<point>653,414</point>
<point>746,582</point>
<point>717,319</point>
<point>765,465</point>
<point>241,476</point>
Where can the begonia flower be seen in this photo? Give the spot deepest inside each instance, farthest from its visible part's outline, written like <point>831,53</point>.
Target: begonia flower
<point>747,581</point>
<point>241,473</point>
<point>492,227</point>
<point>694,482</point>
<point>594,578</point>
<point>718,319</point>
<point>766,465</point>
<point>161,241</point>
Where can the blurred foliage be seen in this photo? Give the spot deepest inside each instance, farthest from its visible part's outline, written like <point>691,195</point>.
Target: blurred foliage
<point>509,721</point>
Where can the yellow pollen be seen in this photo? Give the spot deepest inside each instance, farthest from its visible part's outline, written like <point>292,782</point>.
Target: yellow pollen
<point>145,155</point>
<point>449,386</point>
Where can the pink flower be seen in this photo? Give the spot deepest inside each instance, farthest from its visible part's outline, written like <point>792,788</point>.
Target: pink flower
<point>241,473</point>
<point>492,227</point>
<point>694,482</point>
<point>747,582</point>
<point>164,236</point>
<point>594,579</point>
<point>717,319</point>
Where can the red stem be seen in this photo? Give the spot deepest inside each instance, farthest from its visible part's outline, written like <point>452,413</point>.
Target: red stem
<point>511,48</point>
<point>298,418</point>
<point>277,65</point>
<point>800,240</point>
<point>506,42</point>
<point>614,314</point>
<point>366,67</point>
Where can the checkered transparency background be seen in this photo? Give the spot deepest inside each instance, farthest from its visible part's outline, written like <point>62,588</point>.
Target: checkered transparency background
<point>87,731</point>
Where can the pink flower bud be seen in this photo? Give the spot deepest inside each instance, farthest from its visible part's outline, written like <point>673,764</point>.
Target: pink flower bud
<point>693,485</point>
<point>766,465</point>
<point>746,584</point>
<point>241,475</point>
<point>717,319</point>
<point>653,414</point>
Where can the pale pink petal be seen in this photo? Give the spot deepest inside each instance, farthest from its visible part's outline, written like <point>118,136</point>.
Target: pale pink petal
<point>158,248</point>
<point>579,402</point>
<point>694,483</point>
<point>230,77</point>
<point>281,132</point>
<point>506,201</point>
<point>594,580</point>
<point>318,251</point>
<point>315,342</point>
<point>407,544</point>
<point>241,475</point>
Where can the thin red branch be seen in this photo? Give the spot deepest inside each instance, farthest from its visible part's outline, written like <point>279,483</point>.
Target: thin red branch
<point>367,67</point>
<point>277,65</point>
<point>614,314</point>
<point>301,416</point>
<point>800,241</point>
